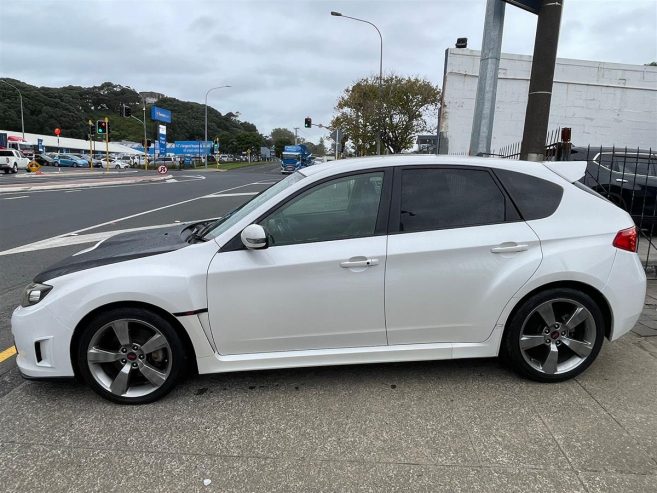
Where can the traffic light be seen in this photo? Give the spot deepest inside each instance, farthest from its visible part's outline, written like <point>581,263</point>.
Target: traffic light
<point>102,127</point>
<point>126,110</point>
<point>308,122</point>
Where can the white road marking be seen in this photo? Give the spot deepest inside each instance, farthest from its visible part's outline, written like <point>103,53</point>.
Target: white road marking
<point>14,198</point>
<point>215,195</point>
<point>73,238</point>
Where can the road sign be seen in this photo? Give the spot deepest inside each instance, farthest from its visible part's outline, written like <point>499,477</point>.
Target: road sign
<point>533,6</point>
<point>162,139</point>
<point>162,170</point>
<point>160,115</point>
<point>40,145</point>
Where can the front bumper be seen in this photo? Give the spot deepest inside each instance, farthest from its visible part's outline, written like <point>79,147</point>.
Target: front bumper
<point>42,343</point>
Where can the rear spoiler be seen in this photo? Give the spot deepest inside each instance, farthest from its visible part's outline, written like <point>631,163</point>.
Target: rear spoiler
<point>568,170</point>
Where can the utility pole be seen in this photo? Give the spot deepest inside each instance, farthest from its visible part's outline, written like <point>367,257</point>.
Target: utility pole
<point>107,144</point>
<point>542,78</point>
<point>489,63</point>
<point>296,137</point>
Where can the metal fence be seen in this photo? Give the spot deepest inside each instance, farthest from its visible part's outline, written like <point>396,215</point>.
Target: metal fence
<point>625,176</point>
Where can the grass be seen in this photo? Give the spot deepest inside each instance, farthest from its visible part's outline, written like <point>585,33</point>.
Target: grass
<point>239,164</point>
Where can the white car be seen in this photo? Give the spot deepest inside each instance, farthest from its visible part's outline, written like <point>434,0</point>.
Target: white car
<point>12,160</point>
<point>113,163</point>
<point>400,258</point>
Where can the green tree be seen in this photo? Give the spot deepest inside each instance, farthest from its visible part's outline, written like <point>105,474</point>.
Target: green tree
<point>280,138</point>
<point>408,106</point>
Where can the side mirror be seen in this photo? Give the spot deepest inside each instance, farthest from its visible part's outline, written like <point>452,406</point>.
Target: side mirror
<point>254,237</point>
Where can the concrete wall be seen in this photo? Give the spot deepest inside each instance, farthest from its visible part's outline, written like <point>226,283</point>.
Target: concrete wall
<point>604,103</point>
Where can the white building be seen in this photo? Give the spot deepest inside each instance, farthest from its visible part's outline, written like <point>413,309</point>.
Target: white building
<point>604,103</point>
<point>68,144</point>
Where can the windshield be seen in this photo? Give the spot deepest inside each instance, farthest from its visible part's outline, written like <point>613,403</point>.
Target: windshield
<point>290,155</point>
<point>234,217</point>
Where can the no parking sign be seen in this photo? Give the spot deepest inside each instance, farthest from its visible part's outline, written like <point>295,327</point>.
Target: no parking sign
<point>162,169</point>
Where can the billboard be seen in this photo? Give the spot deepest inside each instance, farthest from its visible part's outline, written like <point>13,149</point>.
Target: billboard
<point>192,147</point>
<point>160,114</point>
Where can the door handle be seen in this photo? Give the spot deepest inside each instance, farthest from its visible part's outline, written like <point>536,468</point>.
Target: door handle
<point>509,248</point>
<point>350,264</point>
<point>620,180</point>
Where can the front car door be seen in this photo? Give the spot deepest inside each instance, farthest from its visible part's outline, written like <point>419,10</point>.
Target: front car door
<point>319,283</point>
<point>457,253</point>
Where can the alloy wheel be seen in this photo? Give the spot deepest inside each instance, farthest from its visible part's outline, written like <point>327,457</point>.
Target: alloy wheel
<point>129,357</point>
<point>558,336</point>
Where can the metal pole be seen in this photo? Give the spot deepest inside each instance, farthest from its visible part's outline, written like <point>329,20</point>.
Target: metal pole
<point>20,97</point>
<point>91,151</point>
<point>205,158</point>
<point>541,81</point>
<point>107,144</point>
<point>296,137</point>
<point>145,138</point>
<point>380,102</point>
<point>491,48</point>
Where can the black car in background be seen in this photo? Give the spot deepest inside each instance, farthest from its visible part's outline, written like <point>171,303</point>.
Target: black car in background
<point>627,177</point>
<point>44,160</point>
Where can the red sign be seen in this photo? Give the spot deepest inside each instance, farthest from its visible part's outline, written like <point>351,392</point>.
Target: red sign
<point>162,170</point>
<point>58,131</point>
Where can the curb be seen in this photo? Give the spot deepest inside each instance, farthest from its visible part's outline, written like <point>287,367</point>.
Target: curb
<point>87,184</point>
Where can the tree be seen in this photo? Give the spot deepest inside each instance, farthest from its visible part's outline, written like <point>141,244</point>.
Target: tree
<point>651,64</point>
<point>408,106</point>
<point>280,138</point>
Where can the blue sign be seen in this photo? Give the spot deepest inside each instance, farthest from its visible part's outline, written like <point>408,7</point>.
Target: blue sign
<point>160,115</point>
<point>192,147</point>
<point>533,6</point>
<point>162,139</point>
<point>40,145</point>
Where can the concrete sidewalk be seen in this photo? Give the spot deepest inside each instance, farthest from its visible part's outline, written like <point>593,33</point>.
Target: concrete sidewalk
<point>51,185</point>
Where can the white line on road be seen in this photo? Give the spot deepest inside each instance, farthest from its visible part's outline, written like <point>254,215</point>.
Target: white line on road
<point>215,195</point>
<point>14,198</point>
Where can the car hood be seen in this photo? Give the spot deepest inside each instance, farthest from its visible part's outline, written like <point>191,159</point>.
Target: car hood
<point>120,248</point>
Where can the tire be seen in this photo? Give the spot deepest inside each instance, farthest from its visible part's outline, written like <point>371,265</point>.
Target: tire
<point>121,371</point>
<point>15,168</point>
<point>117,167</point>
<point>554,335</point>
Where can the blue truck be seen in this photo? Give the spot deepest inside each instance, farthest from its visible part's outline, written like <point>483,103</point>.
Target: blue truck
<point>294,158</point>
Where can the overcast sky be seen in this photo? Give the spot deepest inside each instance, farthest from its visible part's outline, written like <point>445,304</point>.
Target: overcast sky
<point>284,59</point>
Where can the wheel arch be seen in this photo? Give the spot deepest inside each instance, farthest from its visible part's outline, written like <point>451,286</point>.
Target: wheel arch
<point>187,343</point>
<point>594,293</point>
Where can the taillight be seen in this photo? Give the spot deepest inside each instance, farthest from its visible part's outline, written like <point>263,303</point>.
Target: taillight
<point>626,239</point>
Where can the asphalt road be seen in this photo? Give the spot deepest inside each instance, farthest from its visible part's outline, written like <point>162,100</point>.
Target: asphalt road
<point>455,426</point>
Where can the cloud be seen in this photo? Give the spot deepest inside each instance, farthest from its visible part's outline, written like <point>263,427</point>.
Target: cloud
<point>285,59</point>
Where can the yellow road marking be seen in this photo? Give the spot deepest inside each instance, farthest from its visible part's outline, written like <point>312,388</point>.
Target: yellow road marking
<point>7,353</point>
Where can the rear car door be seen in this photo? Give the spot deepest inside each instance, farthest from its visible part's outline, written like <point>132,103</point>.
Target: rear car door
<point>457,252</point>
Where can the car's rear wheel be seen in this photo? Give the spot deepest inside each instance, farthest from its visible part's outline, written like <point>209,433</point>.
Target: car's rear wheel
<point>131,355</point>
<point>555,335</point>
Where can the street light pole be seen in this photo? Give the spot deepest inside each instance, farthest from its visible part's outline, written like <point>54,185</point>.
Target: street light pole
<point>205,158</point>
<point>379,129</point>
<point>20,96</point>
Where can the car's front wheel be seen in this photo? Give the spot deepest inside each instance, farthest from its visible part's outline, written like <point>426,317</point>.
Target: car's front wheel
<point>555,335</point>
<point>131,355</point>
<point>15,169</point>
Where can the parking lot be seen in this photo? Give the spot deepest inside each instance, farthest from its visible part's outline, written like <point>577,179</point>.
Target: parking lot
<point>467,425</point>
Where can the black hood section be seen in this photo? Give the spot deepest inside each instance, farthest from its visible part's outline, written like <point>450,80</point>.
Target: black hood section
<point>122,247</point>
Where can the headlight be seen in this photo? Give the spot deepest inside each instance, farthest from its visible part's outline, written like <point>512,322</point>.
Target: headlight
<point>34,293</point>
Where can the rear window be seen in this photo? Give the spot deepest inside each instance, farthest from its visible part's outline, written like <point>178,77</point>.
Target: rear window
<point>6,153</point>
<point>535,198</point>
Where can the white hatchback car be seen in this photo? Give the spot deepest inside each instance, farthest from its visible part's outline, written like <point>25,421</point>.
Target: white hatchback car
<point>399,258</point>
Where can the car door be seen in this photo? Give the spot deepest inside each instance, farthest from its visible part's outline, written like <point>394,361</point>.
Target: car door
<point>318,284</point>
<point>457,253</point>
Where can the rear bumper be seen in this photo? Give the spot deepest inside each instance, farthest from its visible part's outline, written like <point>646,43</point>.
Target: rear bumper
<point>626,292</point>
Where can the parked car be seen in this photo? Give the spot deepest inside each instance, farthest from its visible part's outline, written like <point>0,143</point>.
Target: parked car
<point>44,160</point>
<point>167,161</point>
<point>113,163</point>
<point>12,160</point>
<point>397,258</point>
<point>71,161</point>
<point>626,177</point>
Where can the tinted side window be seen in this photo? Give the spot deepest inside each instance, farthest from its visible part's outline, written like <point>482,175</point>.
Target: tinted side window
<point>534,197</point>
<point>335,210</point>
<point>449,198</point>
